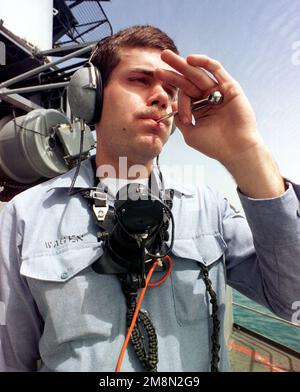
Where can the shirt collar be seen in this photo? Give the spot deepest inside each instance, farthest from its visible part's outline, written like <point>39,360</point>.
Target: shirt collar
<point>86,178</point>
<point>170,182</point>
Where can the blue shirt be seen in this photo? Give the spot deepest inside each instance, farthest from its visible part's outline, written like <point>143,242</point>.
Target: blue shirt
<point>57,309</point>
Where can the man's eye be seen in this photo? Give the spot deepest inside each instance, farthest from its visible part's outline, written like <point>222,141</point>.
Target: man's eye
<point>139,80</point>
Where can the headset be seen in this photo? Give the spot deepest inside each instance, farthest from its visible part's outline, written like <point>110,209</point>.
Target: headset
<point>85,93</point>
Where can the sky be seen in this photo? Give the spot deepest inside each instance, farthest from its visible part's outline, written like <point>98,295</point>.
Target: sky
<point>258,42</point>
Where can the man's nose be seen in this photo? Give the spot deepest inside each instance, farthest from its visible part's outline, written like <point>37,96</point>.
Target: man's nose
<point>159,97</point>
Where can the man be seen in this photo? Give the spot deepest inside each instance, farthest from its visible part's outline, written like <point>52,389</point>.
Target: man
<point>59,310</point>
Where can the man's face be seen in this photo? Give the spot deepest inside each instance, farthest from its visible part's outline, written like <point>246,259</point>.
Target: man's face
<point>133,100</point>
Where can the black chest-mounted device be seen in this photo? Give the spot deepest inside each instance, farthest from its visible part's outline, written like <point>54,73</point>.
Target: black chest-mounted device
<point>134,231</point>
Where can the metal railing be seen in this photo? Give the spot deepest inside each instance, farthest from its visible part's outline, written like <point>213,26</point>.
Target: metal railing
<point>267,315</point>
<point>25,75</point>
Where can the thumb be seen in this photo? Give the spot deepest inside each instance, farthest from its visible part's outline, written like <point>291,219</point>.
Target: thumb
<point>184,128</point>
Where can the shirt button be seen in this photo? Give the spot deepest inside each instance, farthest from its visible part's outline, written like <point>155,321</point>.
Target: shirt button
<point>64,275</point>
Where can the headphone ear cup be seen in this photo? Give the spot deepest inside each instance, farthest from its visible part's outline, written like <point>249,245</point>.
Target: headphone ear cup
<point>85,94</point>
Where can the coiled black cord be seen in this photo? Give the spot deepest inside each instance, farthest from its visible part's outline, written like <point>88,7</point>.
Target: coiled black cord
<point>148,359</point>
<point>216,323</point>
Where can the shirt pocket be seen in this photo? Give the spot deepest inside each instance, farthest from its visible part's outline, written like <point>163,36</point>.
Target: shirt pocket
<point>74,301</point>
<point>191,299</point>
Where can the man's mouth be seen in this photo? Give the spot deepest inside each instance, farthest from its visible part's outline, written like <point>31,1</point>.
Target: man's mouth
<point>155,117</point>
<point>152,122</point>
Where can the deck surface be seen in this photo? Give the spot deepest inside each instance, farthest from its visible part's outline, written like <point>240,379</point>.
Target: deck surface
<point>248,353</point>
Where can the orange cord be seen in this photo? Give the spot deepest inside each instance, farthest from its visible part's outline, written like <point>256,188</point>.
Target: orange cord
<point>164,278</point>
<point>138,306</point>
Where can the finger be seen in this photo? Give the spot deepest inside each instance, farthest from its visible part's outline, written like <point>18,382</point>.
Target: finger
<point>184,108</point>
<point>202,114</point>
<point>211,65</point>
<point>199,77</point>
<point>180,125</point>
<point>179,81</point>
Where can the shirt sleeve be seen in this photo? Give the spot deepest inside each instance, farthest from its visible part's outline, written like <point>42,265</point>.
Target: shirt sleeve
<point>263,255</point>
<point>20,321</point>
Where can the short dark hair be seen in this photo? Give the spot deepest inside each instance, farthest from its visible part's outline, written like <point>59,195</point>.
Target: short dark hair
<point>106,55</point>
